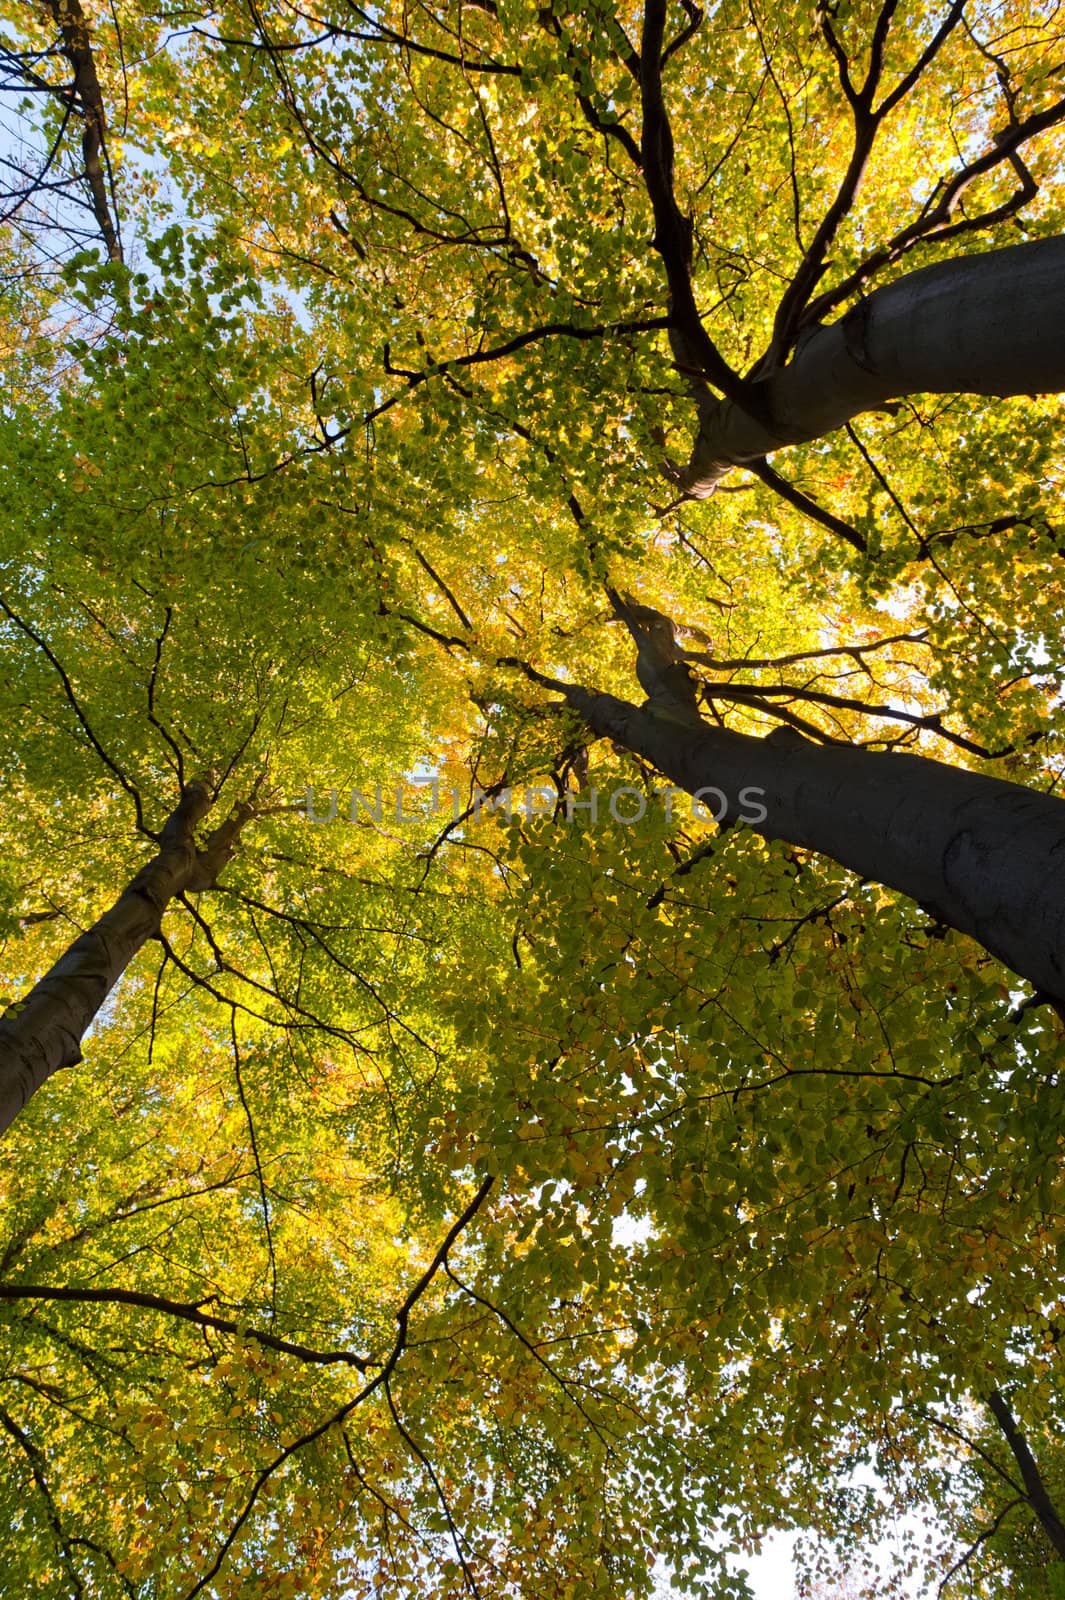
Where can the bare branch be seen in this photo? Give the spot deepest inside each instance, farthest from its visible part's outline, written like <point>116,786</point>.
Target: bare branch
<point>186,1312</point>
<point>810,508</point>
<point>934,223</point>
<point>68,690</point>
<point>377,1382</point>
<point>867,124</point>
<point>980,1540</point>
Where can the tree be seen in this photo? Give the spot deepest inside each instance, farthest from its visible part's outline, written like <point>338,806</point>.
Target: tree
<point>1014,1543</point>
<point>511,1189</point>
<point>44,1033</point>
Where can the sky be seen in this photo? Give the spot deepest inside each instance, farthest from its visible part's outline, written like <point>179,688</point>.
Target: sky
<point>772,1574</point>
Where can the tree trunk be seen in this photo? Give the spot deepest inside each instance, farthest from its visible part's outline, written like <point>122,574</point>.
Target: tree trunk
<point>1032,1478</point>
<point>77,47</point>
<point>44,1032</point>
<point>984,856</point>
<point>990,324</point>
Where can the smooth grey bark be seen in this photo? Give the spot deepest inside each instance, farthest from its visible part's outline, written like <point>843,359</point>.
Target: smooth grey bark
<point>991,324</point>
<point>982,855</point>
<point>44,1032</point>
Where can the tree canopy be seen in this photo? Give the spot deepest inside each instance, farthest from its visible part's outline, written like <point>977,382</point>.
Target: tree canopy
<point>534,932</point>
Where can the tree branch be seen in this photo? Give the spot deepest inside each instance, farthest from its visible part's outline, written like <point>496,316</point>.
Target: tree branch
<point>933,225</point>
<point>810,508</point>
<point>186,1312</point>
<point>1031,1477</point>
<point>74,28</point>
<point>695,351</point>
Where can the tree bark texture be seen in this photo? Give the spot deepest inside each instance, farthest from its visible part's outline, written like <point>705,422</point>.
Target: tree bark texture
<point>991,324</point>
<point>44,1032</point>
<point>982,855</point>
